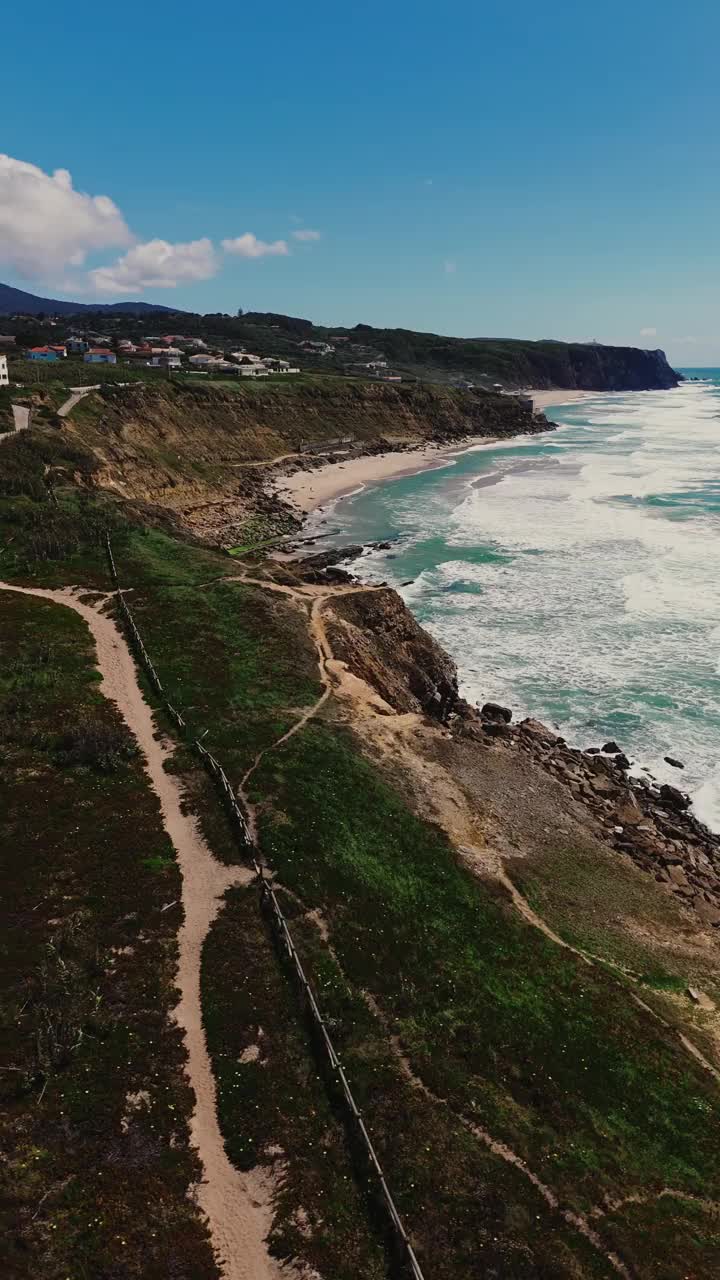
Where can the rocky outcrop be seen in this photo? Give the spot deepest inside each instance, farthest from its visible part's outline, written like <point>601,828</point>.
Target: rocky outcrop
<point>376,635</point>
<point>378,638</point>
<point>517,362</point>
<point>649,824</point>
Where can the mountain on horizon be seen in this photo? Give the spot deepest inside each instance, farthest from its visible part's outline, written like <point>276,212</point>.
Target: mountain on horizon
<point>18,302</point>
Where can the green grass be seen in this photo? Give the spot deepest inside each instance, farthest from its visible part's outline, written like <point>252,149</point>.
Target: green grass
<point>548,1054</point>
<point>278,1100</point>
<point>87,964</point>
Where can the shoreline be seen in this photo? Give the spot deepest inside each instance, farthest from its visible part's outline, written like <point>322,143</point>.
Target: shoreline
<point>543,400</point>
<point>307,491</point>
<point>310,489</point>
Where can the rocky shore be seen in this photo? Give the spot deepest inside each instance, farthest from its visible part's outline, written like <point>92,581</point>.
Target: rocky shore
<point>376,635</point>
<point>650,824</point>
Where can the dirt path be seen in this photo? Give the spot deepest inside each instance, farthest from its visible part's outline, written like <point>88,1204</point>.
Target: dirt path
<point>237,1205</point>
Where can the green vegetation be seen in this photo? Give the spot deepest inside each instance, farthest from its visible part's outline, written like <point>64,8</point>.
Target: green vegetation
<point>52,531</point>
<point>421,969</point>
<point>516,1035</point>
<point>94,1102</point>
<point>271,1096</point>
<point>549,1054</point>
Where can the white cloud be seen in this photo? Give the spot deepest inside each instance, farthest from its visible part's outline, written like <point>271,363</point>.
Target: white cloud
<point>45,225</point>
<point>650,332</point>
<point>248,246</point>
<point>450,267</point>
<point>306,234</point>
<point>157,265</point>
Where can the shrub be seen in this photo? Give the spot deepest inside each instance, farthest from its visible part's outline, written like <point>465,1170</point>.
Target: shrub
<point>95,744</point>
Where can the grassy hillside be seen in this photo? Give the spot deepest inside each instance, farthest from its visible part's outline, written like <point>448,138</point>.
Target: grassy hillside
<point>94,1106</point>
<point>533,1120</point>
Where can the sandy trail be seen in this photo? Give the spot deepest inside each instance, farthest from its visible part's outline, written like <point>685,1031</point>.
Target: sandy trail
<point>237,1205</point>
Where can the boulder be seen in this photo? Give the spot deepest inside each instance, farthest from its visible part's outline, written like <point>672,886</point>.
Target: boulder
<point>496,728</point>
<point>611,748</point>
<point>535,729</point>
<point>629,813</point>
<point>707,912</point>
<point>603,786</point>
<point>676,764</point>
<point>671,798</point>
<point>493,711</point>
<point>621,760</point>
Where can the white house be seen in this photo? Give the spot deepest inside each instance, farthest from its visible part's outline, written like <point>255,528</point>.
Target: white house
<point>252,371</point>
<point>4,379</point>
<point>166,361</point>
<point>244,357</point>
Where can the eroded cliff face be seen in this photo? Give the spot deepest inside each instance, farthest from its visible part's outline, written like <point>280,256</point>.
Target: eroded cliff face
<point>204,453</point>
<point>380,640</point>
<point>591,367</point>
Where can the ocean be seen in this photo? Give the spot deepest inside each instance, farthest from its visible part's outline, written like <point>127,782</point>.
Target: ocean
<point>575,576</point>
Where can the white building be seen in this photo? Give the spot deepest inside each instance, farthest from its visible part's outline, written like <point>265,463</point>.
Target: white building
<point>252,371</point>
<point>166,361</point>
<point>4,379</point>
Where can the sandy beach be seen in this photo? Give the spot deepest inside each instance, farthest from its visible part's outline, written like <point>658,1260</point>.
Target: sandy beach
<point>308,490</point>
<point>542,400</point>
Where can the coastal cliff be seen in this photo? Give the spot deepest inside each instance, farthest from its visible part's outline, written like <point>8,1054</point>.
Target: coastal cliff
<point>515,362</point>
<point>204,453</point>
<point>513,943</point>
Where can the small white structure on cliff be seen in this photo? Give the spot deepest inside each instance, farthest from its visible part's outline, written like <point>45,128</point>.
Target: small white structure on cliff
<point>4,379</point>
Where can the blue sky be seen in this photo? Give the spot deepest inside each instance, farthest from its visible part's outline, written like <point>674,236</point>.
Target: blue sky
<point>472,168</point>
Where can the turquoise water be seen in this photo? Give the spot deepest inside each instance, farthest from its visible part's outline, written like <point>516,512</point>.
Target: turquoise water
<point>575,576</point>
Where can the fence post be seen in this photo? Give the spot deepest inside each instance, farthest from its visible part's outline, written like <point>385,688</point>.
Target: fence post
<point>268,898</point>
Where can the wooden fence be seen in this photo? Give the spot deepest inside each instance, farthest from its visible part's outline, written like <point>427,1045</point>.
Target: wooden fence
<point>281,930</point>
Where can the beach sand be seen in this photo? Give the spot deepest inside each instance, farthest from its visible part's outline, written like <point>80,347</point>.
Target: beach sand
<point>544,399</point>
<point>308,490</point>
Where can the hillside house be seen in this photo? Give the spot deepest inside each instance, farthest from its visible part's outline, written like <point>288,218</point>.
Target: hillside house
<point>251,370</point>
<point>7,339</point>
<point>76,346</point>
<point>244,357</point>
<point>166,361</point>
<point>41,353</point>
<point>60,348</point>
<point>100,355</point>
<point>318,348</point>
<point>4,378</point>
<point>200,361</point>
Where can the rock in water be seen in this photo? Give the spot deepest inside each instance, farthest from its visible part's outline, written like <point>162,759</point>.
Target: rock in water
<point>611,748</point>
<point>676,764</point>
<point>493,711</point>
<point>671,798</point>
